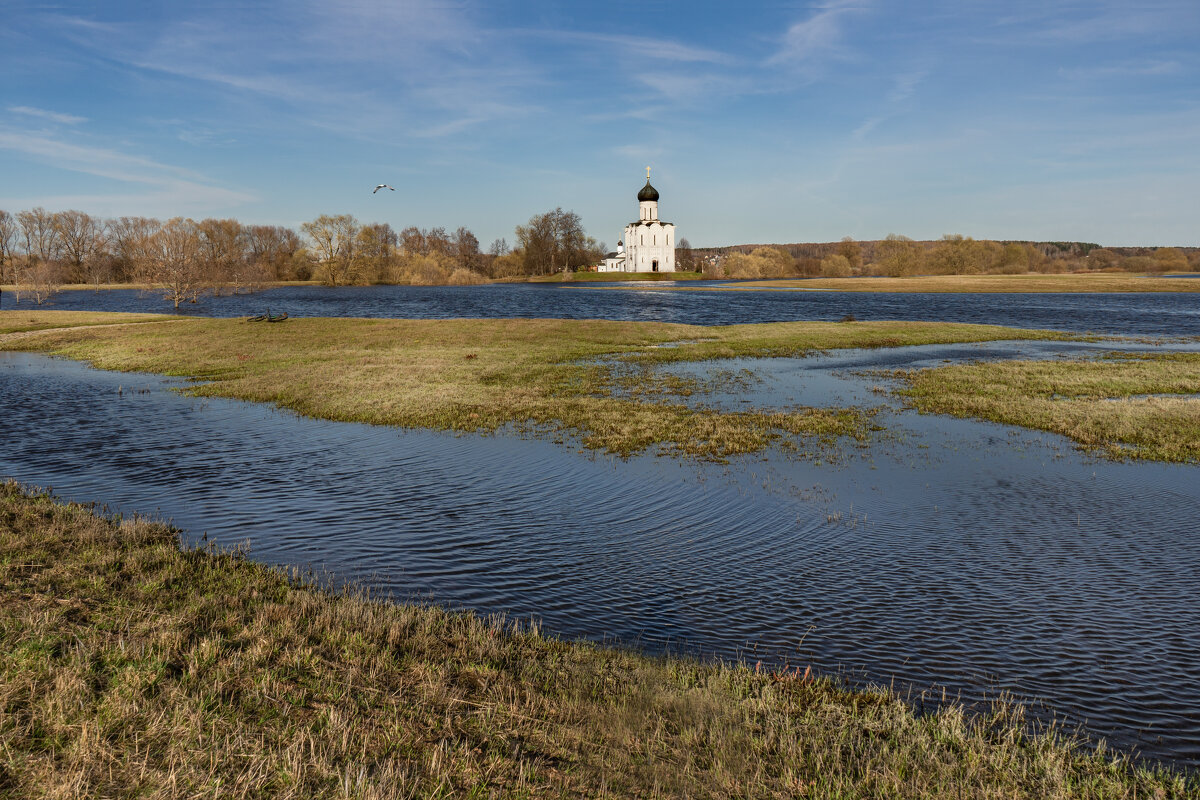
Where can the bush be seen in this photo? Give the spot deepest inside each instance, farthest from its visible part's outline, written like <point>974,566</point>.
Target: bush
<point>835,266</point>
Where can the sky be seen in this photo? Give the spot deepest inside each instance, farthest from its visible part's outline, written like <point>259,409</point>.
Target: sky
<point>763,122</point>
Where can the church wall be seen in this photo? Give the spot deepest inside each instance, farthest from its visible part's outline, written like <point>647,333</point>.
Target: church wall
<point>645,243</point>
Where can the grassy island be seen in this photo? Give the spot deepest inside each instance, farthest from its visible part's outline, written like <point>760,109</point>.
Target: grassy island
<point>130,667</point>
<point>1121,405</point>
<point>590,379</point>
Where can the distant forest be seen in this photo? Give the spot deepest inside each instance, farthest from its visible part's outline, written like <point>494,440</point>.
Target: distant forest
<point>183,259</point>
<point>953,254</point>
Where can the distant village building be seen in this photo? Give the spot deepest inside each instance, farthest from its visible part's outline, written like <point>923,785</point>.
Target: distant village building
<point>649,243</point>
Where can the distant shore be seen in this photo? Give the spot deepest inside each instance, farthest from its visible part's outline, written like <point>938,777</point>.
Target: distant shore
<point>966,284</point>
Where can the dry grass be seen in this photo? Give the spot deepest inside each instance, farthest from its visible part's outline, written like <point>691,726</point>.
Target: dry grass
<point>20,321</point>
<point>1121,406</point>
<point>1100,282</point>
<point>566,377</point>
<point>130,668</point>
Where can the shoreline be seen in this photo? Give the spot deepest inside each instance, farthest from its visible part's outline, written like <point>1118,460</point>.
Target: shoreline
<point>133,665</point>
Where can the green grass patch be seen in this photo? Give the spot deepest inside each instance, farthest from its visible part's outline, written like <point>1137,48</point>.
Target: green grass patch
<point>551,376</point>
<point>1141,406</point>
<point>131,668</point>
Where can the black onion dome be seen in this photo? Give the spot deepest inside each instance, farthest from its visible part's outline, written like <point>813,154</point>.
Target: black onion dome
<point>648,193</point>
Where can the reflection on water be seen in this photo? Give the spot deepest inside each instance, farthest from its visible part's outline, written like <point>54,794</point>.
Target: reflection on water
<point>1148,313</point>
<point>958,554</point>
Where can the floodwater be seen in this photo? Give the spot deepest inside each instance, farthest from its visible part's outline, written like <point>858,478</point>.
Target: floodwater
<point>949,553</point>
<point>1148,313</point>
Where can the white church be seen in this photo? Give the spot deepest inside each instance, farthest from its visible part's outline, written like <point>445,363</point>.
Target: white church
<point>649,243</point>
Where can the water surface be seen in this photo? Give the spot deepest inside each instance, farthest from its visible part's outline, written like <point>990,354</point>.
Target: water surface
<point>950,553</point>
<point>1146,313</point>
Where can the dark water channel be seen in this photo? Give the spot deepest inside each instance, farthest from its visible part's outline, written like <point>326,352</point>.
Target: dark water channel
<point>948,553</point>
<point>1158,314</point>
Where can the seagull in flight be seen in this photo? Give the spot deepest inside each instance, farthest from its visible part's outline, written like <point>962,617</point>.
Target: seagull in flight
<point>382,186</point>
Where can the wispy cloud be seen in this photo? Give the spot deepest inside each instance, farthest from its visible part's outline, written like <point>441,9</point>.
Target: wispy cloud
<point>185,186</point>
<point>643,47</point>
<point>811,42</point>
<point>53,116</point>
<point>1124,70</point>
<point>904,86</point>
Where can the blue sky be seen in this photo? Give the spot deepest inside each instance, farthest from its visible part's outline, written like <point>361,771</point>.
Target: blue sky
<point>764,122</point>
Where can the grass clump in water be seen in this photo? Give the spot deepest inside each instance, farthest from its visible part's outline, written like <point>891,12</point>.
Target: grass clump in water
<point>132,668</point>
<point>592,379</point>
<point>1144,406</point>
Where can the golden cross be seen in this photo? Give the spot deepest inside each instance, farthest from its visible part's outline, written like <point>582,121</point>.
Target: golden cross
<point>647,173</point>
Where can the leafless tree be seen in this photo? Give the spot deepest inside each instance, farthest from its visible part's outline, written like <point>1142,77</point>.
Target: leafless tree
<point>172,262</point>
<point>224,252</point>
<point>685,257</point>
<point>129,241</point>
<point>80,240</point>
<point>333,239</point>
<point>376,252</point>
<point>272,248</point>
<point>39,235</point>
<point>466,250</point>
<point>8,244</point>
<point>41,279</point>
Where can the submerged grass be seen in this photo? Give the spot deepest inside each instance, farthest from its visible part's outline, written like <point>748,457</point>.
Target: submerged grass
<point>1123,405</point>
<point>132,668</point>
<point>559,376</point>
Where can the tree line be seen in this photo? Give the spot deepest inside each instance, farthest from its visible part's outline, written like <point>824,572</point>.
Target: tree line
<point>953,254</point>
<point>183,259</point>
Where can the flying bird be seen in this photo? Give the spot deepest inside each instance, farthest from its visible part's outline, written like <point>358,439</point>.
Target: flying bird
<point>382,186</point>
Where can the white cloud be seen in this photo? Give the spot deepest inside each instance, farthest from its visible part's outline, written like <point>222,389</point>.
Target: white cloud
<point>161,185</point>
<point>807,44</point>
<point>53,116</point>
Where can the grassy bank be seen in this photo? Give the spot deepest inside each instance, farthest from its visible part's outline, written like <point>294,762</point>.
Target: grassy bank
<point>586,378</point>
<point>1099,282</point>
<point>130,668</point>
<point>1122,405</point>
<point>36,320</point>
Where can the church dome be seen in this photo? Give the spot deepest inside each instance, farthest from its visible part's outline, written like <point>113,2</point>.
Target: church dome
<point>648,193</point>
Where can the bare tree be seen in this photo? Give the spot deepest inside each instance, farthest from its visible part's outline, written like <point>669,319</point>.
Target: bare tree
<point>8,244</point>
<point>37,231</point>
<point>685,256</point>
<point>333,241</point>
<point>552,240</point>
<point>80,237</point>
<point>466,250</point>
<point>172,262</point>
<point>128,243</point>
<point>272,248</point>
<point>224,256</point>
<point>42,279</point>
<point>376,252</point>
